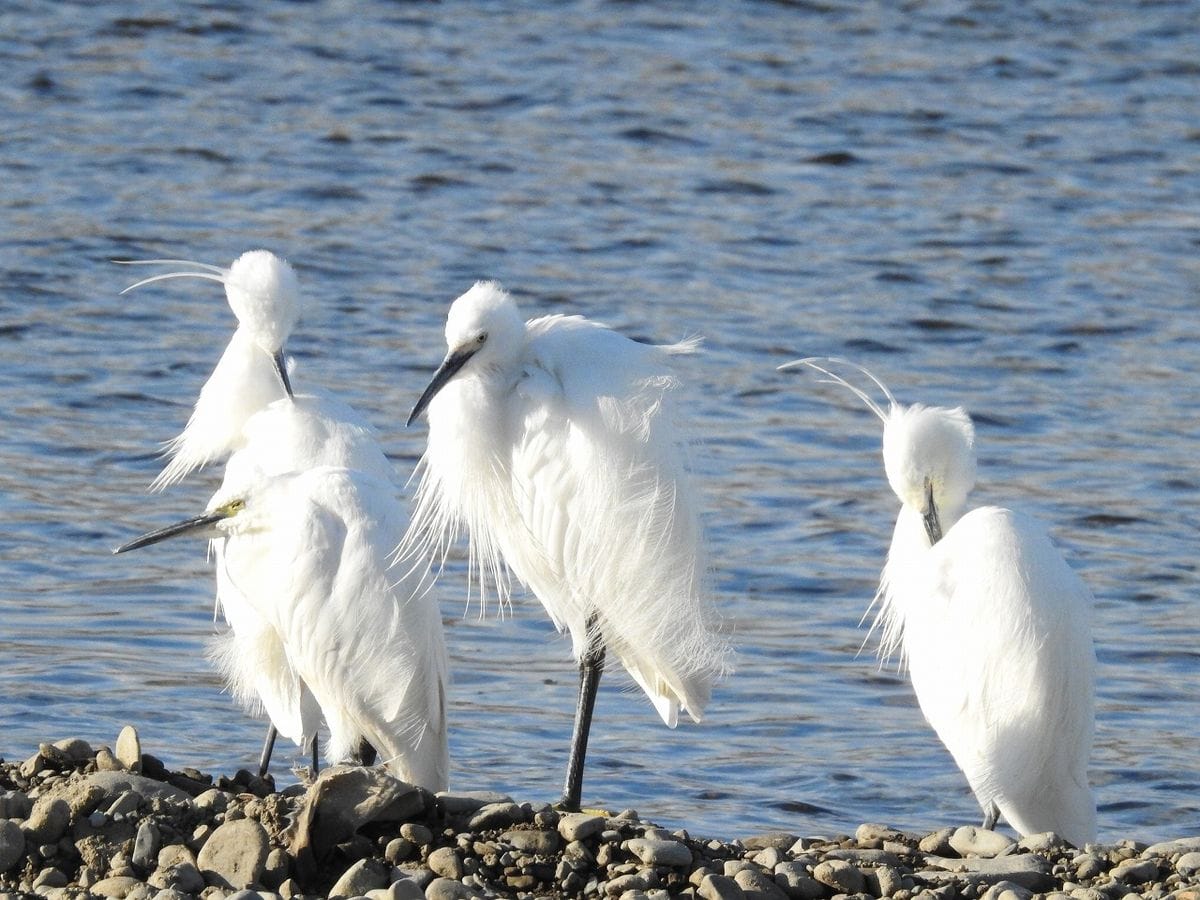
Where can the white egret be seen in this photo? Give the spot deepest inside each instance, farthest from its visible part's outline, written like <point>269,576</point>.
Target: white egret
<point>552,441</point>
<point>310,551</point>
<point>264,294</point>
<point>994,626</point>
<point>246,412</point>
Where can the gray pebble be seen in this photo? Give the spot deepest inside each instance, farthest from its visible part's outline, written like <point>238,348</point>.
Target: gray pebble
<point>180,876</point>
<point>448,889</point>
<point>1088,866</point>
<point>539,843</point>
<point>15,805</point>
<point>884,881</point>
<point>48,820</point>
<point>115,887</point>
<point>1007,890</point>
<point>129,749</point>
<point>470,801</point>
<point>174,854</point>
<point>51,877</point>
<point>768,858</point>
<point>1135,871</point>
<point>403,889</point>
<point>146,845</point>
<point>1047,843</point>
<point>114,783</point>
<point>634,881</point>
<point>172,894</point>
<point>755,884</point>
<point>971,841</point>
<point>793,877</point>
<point>365,875</point>
<point>654,852</point>
<point>399,849</point>
<point>276,868</point>
<point>446,862</point>
<point>75,749</point>
<point>872,833</point>
<point>107,762</point>
<point>234,855</point>
<point>779,840</point>
<point>1188,864</point>
<point>12,844</point>
<point>213,801</point>
<point>1169,848</point>
<point>498,815</point>
<point>416,833</point>
<point>938,843</point>
<point>718,887</point>
<point>1026,869</point>
<point>578,826</point>
<point>865,857</point>
<point>840,875</point>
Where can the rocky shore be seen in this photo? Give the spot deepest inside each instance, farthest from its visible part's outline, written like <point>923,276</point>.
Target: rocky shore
<point>82,822</point>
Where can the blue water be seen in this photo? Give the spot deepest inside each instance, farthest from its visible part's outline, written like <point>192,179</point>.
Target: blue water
<point>991,205</point>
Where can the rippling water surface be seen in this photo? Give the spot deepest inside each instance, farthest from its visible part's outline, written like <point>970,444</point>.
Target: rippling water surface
<point>988,206</point>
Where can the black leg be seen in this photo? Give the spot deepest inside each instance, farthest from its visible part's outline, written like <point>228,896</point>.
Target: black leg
<point>991,814</point>
<point>264,761</point>
<point>315,767</point>
<point>365,755</point>
<point>591,667</point>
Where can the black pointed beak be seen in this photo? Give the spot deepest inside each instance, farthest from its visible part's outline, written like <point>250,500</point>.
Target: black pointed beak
<point>933,527</point>
<point>281,368</point>
<point>195,525</point>
<point>454,361</point>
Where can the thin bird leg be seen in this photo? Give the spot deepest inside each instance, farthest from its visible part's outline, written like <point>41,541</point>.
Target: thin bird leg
<point>365,754</point>
<point>591,667</point>
<point>315,767</point>
<point>991,813</point>
<point>264,761</point>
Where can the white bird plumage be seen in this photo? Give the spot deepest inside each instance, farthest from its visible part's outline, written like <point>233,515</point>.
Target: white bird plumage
<point>993,625</point>
<point>245,415</point>
<point>310,552</point>
<point>264,294</point>
<point>552,443</point>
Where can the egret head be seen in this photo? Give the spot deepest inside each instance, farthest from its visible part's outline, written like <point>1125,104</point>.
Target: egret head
<point>262,291</point>
<point>214,522</point>
<point>483,329</point>
<point>928,451</point>
<point>929,457</point>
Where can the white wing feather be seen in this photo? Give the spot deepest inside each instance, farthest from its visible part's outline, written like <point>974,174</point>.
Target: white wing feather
<point>998,641</point>
<point>603,497</point>
<point>371,652</point>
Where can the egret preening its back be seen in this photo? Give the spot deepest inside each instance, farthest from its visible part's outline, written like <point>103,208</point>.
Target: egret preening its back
<point>552,442</point>
<point>310,552</point>
<point>994,626</point>
<point>246,413</point>
<point>264,295</point>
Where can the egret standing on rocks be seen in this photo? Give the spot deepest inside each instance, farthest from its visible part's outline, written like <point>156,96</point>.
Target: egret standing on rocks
<point>995,627</point>
<point>552,441</point>
<point>310,551</point>
<point>247,413</point>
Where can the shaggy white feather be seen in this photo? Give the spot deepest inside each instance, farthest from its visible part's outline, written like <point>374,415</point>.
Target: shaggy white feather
<point>309,553</point>
<point>554,448</point>
<point>993,626</point>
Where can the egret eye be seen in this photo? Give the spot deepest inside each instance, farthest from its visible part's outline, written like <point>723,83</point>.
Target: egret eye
<point>482,339</point>
<point>235,506</point>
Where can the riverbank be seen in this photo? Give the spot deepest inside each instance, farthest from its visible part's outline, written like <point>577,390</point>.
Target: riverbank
<point>78,821</point>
